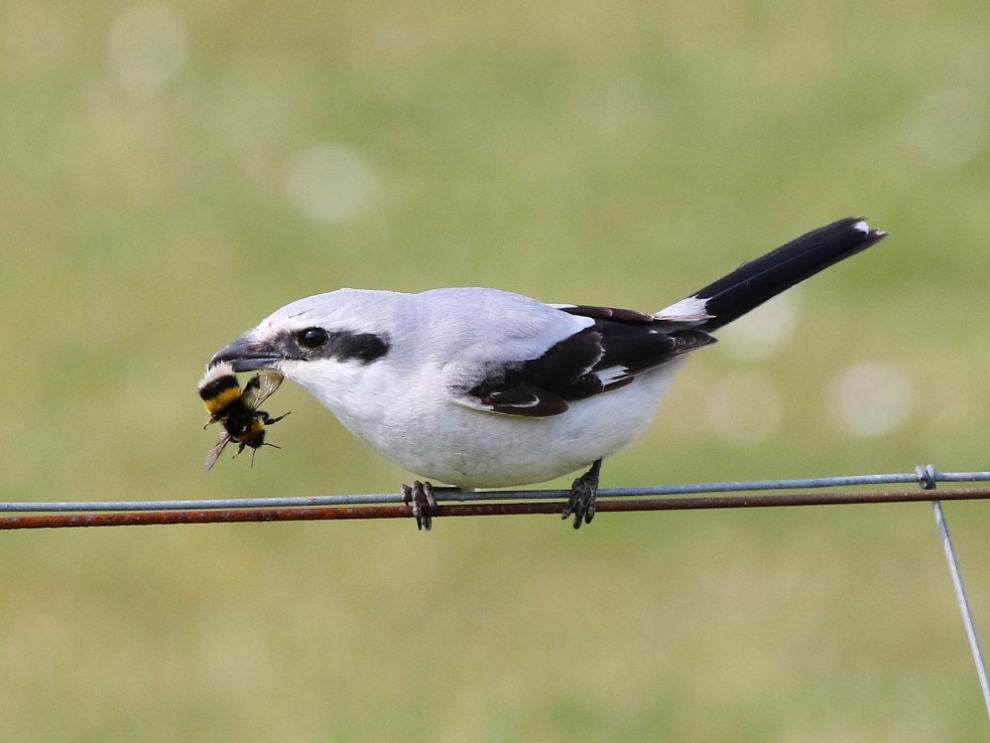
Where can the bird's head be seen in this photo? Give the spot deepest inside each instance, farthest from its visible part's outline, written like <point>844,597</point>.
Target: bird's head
<point>312,340</point>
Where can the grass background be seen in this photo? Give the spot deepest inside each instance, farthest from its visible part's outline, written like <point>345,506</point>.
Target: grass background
<point>614,153</point>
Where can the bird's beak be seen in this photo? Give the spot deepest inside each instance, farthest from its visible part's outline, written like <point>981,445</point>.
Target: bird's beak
<point>247,354</point>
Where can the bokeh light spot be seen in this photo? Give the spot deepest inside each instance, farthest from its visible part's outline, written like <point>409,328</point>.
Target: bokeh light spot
<point>329,182</point>
<point>745,408</point>
<point>949,128</point>
<point>148,46</point>
<point>871,399</point>
<point>764,330</point>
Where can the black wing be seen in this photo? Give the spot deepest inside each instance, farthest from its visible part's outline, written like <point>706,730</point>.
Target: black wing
<point>603,357</point>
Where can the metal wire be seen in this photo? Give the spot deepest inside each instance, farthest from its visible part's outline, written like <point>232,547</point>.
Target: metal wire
<point>86,517</point>
<point>451,495</point>
<point>927,478</point>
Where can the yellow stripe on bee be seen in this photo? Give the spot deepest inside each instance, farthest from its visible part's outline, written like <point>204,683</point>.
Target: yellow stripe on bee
<point>251,434</point>
<point>225,398</point>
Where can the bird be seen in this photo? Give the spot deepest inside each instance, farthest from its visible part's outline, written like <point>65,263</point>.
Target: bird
<point>485,388</point>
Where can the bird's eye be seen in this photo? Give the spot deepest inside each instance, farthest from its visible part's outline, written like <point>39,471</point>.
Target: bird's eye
<point>312,337</point>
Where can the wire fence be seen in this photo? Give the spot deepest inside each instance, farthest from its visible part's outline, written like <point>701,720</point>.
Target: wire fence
<point>750,494</point>
<point>452,502</point>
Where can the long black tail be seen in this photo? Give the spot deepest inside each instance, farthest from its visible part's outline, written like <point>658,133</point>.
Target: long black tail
<point>755,282</point>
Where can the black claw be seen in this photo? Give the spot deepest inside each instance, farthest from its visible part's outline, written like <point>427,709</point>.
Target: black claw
<point>424,504</point>
<point>584,496</point>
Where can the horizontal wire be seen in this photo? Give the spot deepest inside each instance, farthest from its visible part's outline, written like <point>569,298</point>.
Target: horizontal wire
<point>343,512</point>
<point>468,496</point>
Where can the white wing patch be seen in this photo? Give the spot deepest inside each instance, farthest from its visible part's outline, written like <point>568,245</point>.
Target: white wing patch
<point>612,374</point>
<point>691,309</point>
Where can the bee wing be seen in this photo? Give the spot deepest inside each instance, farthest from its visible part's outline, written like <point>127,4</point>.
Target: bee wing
<point>260,387</point>
<point>216,451</point>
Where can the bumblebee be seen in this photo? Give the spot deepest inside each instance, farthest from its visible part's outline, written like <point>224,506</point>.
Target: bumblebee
<point>237,409</point>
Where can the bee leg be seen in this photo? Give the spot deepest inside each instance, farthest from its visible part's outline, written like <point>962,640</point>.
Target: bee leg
<point>254,449</point>
<point>424,504</point>
<point>268,420</point>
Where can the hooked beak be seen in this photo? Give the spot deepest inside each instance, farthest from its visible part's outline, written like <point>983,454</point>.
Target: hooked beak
<point>247,354</point>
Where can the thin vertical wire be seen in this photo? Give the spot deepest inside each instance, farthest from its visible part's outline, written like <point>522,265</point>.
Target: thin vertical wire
<point>927,478</point>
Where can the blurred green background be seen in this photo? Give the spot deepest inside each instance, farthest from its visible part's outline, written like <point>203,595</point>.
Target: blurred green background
<point>172,172</point>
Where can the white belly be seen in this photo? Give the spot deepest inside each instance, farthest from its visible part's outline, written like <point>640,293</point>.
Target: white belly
<point>449,443</point>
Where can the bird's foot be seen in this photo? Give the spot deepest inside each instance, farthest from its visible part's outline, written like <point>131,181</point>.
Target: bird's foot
<point>424,503</point>
<point>584,496</point>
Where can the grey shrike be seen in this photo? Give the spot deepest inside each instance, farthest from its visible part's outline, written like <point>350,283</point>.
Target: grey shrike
<point>483,388</point>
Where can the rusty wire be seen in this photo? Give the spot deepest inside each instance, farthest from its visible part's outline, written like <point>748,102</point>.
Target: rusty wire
<point>63,515</point>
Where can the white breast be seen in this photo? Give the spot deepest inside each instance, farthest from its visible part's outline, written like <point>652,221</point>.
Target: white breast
<point>440,440</point>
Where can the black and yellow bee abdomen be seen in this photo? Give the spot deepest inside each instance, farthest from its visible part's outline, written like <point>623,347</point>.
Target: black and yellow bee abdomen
<point>220,393</point>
